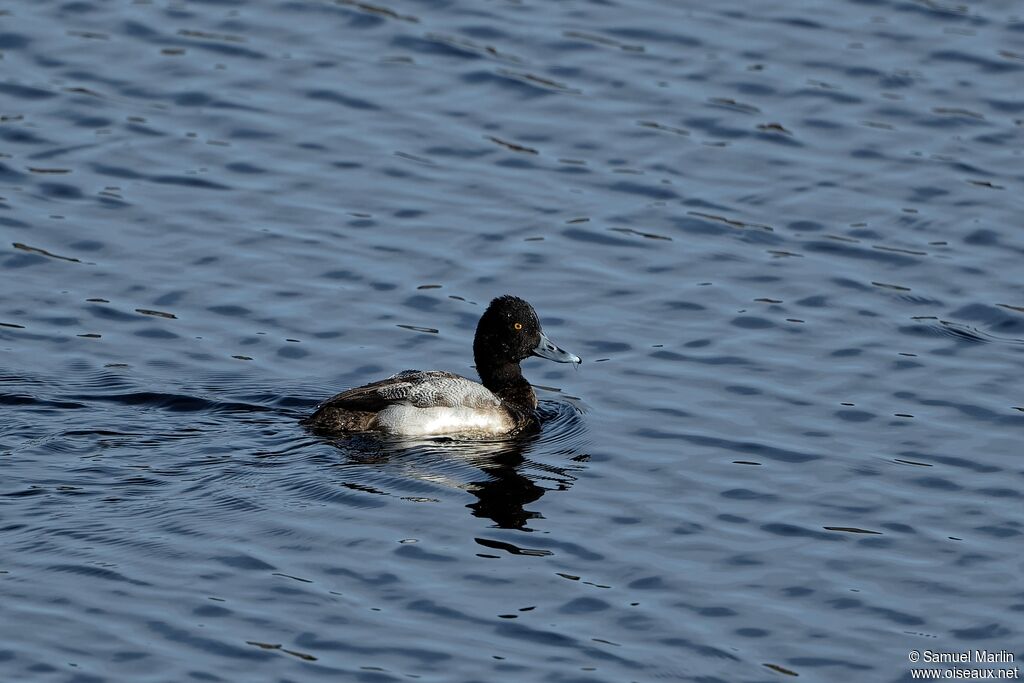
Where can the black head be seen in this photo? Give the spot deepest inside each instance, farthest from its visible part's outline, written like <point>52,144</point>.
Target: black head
<point>509,331</point>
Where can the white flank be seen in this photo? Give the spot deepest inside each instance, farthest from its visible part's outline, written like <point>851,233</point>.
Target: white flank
<point>409,420</point>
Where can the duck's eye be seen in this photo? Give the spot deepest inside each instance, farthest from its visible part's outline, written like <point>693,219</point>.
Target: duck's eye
<point>518,326</point>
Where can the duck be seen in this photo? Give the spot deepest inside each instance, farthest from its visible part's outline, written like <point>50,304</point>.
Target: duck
<point>435,402</point>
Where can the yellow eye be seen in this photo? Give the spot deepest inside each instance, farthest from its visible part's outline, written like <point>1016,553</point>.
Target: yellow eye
<point>518,326</point>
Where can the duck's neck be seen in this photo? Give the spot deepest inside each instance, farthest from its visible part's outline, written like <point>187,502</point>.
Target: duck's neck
<point>506,380</point>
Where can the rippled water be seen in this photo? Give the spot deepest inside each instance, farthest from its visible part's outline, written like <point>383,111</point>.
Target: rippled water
<point>785,237</point>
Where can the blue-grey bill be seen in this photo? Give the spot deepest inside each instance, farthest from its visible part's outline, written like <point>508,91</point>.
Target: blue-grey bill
<point>548,349</point>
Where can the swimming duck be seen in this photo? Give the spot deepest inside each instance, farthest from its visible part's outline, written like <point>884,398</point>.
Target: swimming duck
<point>433,402</point>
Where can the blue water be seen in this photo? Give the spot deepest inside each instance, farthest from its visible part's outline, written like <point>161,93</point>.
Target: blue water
<point>785,238</point>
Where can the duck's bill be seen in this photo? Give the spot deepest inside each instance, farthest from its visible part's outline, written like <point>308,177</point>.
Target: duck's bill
<point>548,349</point>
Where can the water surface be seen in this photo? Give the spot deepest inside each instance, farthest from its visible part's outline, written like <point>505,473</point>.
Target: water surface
<point>785,240</point>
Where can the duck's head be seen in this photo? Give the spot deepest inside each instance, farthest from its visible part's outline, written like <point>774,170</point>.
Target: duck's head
<point>509,331</point>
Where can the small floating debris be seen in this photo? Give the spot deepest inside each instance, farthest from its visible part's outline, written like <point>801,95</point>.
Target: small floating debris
<point>884,285</point>
<point>412,157</point>
<point>546,83</point>
<point>956,111</point>
<point>43,252</point>
<point>986,183</point>
<point>289,576</point>
<point>13,325</point>
<point>911,462</point>
<point>471,47</point>
<point>55,171</point>
<point>90,35</point>
<point>429,287</point>
<point>730,103</point>
<point>277,646</point>
<point>414,328</point>
<point>89,335</point>
<point>780,669</point>
<point>851,530</point>
<point>731,221</point>
<point>773,128</point>
<point>242,357</point>
<point>662,127</point>
<point>912,252</point>
<point>822,84</point>
<point>605,642</point>
<point>745,462</point>
<point>646,235</point>
<point>377,9</point>
<point>207,35</point>
<point>511,145</point>
<point>83,91</point>
<point>158,314</point>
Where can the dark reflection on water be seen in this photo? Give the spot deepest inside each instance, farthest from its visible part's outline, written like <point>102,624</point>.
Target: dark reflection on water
<point>499,473</point>
<point>784,233</point>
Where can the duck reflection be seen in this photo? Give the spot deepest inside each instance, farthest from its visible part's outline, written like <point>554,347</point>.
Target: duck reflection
<point>501,475</point>
<point>505,493</point>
